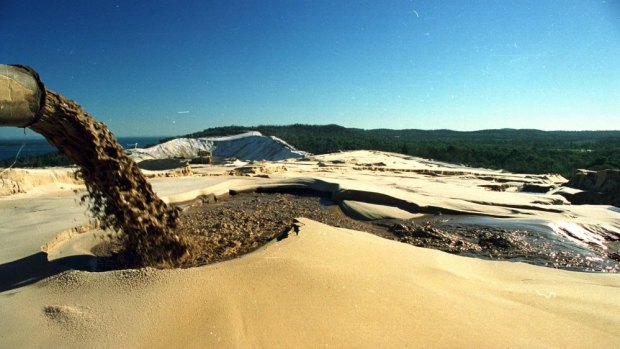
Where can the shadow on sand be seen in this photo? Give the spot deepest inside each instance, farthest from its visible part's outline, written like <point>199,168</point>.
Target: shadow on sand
<point>36,267</point>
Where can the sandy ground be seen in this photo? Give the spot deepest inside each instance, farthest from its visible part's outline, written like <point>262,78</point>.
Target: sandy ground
<point>321,287</point>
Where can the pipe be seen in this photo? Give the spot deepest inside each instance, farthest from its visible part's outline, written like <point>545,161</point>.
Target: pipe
<point>22,96</point>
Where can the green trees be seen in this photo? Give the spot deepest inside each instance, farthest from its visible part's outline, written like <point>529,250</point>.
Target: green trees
<point>43,160</point>
<point>521,151</point>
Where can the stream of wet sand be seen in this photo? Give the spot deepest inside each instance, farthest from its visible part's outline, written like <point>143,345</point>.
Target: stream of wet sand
<point>119,196</point>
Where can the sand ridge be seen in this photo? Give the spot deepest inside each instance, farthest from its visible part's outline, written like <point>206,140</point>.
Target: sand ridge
<point>331,287</point>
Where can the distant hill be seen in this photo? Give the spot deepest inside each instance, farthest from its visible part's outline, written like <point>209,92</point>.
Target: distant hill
<point>521,151</point>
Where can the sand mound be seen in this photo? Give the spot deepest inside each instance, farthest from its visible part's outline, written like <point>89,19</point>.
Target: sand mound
<point>330,287</point>
<point>246,146</point>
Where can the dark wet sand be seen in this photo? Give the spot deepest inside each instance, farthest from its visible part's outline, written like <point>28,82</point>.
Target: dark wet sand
<point>223,229</point>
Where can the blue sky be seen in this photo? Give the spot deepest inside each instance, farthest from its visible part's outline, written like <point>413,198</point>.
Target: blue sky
<point>172,67</point>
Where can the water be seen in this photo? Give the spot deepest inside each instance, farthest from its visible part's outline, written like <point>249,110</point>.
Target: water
<point>10,147</point>
<point>532,241</point>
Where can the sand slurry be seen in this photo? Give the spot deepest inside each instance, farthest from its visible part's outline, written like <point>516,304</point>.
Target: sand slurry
<point>229,227</point>
<point>119,195</point>
<point>241,223</point>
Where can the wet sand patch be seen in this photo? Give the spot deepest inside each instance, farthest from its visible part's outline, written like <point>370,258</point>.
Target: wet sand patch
<point>222,229</point>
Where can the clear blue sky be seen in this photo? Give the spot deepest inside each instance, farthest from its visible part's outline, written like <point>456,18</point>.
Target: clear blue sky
<point>157,67</point>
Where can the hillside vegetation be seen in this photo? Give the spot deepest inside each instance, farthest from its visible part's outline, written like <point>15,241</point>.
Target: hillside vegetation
<point>521,151</point>
<point>40,160</point>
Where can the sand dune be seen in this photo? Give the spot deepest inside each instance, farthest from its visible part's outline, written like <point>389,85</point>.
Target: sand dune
<point>322,287</point>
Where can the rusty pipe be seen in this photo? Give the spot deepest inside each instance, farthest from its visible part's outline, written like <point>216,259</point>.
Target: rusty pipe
<point>22,96</point>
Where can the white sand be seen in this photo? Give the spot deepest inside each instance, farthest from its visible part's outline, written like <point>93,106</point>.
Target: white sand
<point>246,146</point>
<point>325,287</point>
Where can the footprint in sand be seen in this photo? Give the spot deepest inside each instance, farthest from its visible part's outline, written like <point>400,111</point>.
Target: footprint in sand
<point>69,316</point>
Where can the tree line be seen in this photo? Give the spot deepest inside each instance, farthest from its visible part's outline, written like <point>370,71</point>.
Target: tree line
<point>520,151</point>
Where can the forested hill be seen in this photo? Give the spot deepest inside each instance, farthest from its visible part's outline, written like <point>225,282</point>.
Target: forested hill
<point>522,151</point>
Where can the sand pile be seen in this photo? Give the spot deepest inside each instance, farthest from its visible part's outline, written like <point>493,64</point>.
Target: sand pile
<point>322,287</point>
<point>246,146</point>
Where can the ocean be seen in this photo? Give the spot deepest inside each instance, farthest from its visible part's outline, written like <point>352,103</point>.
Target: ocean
<point>10,147</point>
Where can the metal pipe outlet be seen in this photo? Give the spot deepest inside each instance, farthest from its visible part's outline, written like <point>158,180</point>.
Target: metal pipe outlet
<point>22,96</point>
